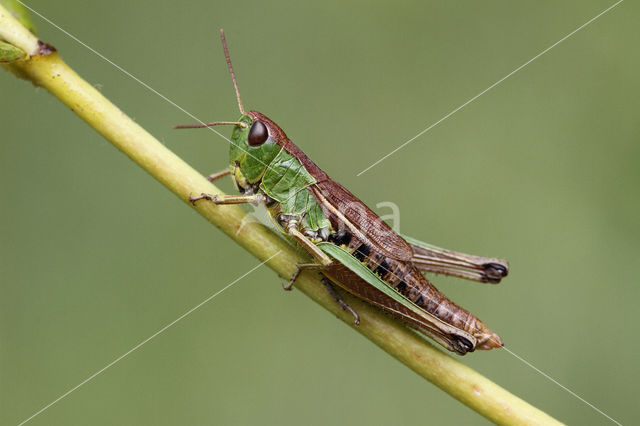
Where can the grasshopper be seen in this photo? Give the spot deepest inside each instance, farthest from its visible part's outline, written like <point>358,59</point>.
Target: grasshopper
<point>350,245</point>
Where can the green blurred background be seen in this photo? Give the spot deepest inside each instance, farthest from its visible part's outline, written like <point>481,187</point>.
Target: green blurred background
<point>543,170</point>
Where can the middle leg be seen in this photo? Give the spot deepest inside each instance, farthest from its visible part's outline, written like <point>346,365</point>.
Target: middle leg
<point>322,260</point>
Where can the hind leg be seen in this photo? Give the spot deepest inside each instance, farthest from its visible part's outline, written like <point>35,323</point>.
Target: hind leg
<point>336,296</point>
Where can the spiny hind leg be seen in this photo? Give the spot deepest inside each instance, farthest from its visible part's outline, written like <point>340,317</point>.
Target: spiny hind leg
<point>336,296</point>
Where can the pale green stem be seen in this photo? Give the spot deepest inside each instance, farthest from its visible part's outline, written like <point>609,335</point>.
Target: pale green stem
<point>12,31</point>
<point>455,378</point>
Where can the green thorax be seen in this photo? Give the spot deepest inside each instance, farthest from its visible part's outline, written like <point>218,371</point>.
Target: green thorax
<point>282,177</point>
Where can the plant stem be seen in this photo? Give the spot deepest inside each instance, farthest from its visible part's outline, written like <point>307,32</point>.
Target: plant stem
<point>12,31</point>
<point>455,378</point>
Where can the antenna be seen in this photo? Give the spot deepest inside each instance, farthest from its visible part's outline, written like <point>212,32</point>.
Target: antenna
<point>233,76</point>
<point>214,123</point>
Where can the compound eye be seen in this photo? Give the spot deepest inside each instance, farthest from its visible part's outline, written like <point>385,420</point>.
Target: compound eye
<point>258,134</point>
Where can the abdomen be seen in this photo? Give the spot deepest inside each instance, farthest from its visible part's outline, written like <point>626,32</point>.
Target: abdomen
<point>411,283</point>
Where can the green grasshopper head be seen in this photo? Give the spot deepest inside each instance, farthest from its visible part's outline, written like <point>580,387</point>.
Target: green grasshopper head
<point>255,142</point>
